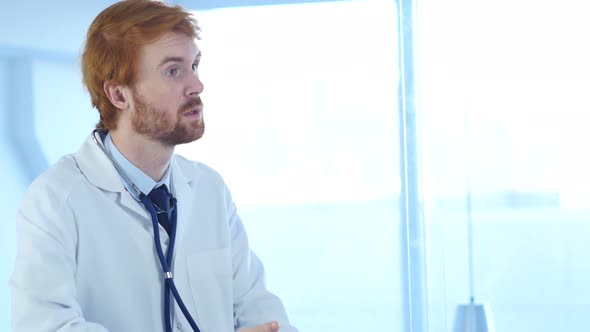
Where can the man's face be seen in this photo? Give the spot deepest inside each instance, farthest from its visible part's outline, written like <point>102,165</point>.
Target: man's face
<point>166,103</point>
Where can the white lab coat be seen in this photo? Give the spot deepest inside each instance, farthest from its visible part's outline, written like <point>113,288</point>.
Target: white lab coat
<point>86,259</point>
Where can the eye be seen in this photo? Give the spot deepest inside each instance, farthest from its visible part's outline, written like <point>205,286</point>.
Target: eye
<point>173,72</point>
<point>195,66</point>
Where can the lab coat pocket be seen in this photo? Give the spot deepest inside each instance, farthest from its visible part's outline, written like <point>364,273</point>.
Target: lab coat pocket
<point>211,275</point>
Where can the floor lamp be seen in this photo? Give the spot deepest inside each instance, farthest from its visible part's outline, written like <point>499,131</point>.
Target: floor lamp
<point>472,317</point>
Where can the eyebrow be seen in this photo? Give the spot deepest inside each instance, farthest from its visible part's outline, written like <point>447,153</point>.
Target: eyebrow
<point>177,59</point>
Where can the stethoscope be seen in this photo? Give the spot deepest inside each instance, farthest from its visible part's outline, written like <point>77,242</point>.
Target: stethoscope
<point>165,262</point>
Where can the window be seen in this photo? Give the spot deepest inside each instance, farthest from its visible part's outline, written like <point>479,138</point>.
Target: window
<point>301,114</point>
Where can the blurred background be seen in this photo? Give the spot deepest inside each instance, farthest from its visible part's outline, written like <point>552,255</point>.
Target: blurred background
<point>362,141</point>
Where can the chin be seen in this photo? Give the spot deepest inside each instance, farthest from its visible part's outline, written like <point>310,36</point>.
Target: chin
<point>191,135</point>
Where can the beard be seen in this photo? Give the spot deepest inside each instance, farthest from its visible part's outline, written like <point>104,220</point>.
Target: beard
<point>157,125</point>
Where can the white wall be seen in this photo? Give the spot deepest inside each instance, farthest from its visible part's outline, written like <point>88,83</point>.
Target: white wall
<point>64,116</point>
<point>14,181</point>
<point>52,26</point>
<point>57,94</point>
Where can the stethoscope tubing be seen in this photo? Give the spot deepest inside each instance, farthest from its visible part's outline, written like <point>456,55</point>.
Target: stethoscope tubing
<point>166,266</point>
<point>164,262</point>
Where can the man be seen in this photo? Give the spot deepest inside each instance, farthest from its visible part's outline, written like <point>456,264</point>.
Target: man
<point>88,256</point>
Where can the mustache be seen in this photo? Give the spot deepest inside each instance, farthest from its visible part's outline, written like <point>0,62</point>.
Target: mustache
<point>189,105</point>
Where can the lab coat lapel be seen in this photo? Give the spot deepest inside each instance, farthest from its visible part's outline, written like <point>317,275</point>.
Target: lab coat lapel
<point>128,202</point>
<point>182,191</point>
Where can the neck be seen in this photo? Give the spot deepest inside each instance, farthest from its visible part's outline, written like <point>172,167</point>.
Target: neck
<point>150,156</point>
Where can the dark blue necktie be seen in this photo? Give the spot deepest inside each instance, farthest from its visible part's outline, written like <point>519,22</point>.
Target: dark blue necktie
<point>161,197</point>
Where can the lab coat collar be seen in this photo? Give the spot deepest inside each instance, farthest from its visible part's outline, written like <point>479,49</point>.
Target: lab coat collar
<point>97,167</point>
<point>100,172</point>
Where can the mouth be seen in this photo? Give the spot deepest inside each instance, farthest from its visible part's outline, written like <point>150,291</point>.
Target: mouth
<point>194,113</point>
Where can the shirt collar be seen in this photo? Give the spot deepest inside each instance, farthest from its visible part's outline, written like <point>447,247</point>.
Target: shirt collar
<point>139,178</point>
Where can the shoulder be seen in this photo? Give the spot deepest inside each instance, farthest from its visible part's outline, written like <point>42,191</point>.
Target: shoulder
<point>53,187</point>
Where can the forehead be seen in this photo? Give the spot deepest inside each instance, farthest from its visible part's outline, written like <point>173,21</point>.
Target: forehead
<point>171,44</point>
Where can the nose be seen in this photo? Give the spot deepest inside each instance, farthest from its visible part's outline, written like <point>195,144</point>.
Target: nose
<point>195,86</point>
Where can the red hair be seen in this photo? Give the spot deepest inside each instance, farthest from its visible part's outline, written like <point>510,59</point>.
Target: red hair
<point>113,43</point>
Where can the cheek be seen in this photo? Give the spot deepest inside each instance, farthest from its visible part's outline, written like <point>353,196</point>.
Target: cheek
<point>165,98</point>
<point>165,103</point>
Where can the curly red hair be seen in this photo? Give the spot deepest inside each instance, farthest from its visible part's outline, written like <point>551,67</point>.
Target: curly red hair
<point>113,43</point>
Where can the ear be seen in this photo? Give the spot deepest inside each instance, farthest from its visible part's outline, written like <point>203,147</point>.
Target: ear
<point>118,94</point>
